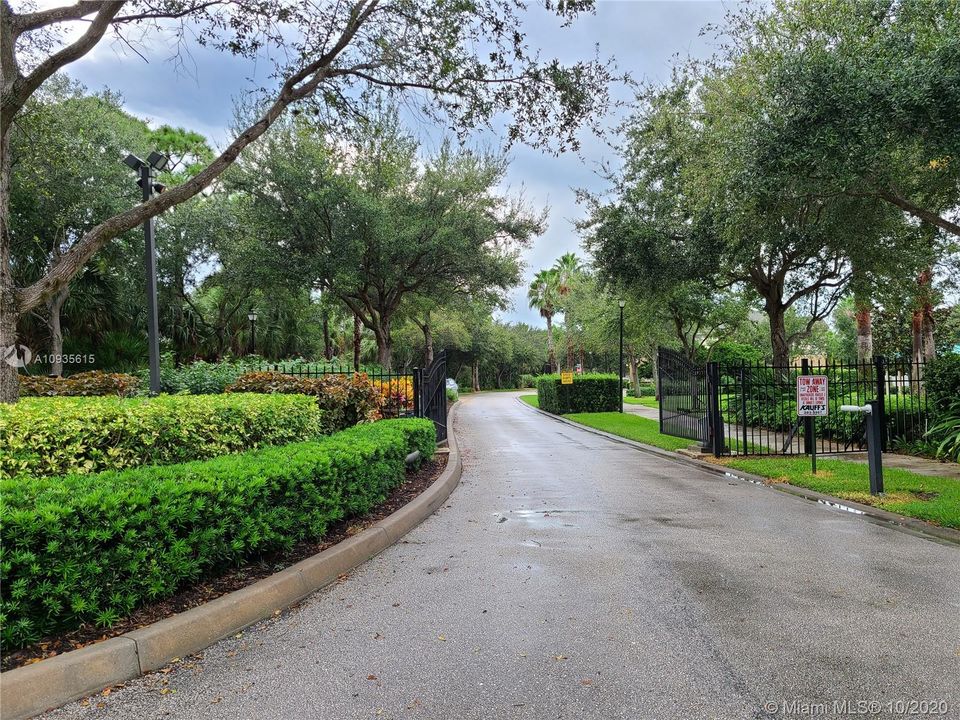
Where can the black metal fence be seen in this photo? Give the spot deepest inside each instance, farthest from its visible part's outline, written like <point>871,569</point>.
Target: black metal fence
<point>683,397</point>
<point>419,393</point>
<point>751,408</point>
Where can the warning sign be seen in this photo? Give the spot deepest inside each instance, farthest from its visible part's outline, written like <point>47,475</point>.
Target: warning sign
<point>812,395</point>
<point>566,378</point>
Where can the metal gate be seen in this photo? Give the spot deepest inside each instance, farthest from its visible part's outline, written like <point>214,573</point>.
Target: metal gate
<point>430,393</point>
<point>750,408</point>
<point>684,397</point>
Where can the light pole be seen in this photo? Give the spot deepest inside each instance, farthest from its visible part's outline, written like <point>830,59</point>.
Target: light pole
<point>622,303</point>
<point>155,161</point>
<point>252,317</point>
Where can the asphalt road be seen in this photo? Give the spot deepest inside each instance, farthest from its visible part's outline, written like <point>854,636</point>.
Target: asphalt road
<point>574,577</point>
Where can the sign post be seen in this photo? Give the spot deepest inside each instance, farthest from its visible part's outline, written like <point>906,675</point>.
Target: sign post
<point>812,402</point>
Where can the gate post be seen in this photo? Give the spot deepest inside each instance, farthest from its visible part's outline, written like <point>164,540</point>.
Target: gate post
<point>880,366</point>
<point>807,421</point>
<point>715,419</point>
<point>417,389</point>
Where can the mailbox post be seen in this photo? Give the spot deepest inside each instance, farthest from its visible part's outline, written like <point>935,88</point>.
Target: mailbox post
<point>874,442</point>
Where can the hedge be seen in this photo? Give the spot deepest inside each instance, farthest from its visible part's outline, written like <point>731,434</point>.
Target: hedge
<point>45,437</point>
<point>588,393</point>
<point>92,548</point>
<point>85,384</point>
<point>941,377</point>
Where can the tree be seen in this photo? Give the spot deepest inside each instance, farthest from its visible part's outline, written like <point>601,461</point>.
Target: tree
<point>570,271</point>
<point>543,296</point>
<point>464,62</point>
<point>375,224</point>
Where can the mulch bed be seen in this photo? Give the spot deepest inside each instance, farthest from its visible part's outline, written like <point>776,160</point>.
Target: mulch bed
<point>231,579</point>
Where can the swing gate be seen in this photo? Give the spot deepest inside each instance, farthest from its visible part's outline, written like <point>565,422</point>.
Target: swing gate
<point>751,408</point>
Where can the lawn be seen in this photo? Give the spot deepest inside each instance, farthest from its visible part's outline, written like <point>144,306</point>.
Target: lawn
<point>632,427</point>
<point>531,400</point>
<point>934,499</point>
<point>647,401</point>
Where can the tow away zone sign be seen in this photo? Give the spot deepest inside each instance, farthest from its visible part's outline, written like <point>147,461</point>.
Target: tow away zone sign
<point>812,395</point>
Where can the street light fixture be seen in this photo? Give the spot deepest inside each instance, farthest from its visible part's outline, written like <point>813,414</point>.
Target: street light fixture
<point>155,161</point>
<point>252,317</point>
<point>622,304</point>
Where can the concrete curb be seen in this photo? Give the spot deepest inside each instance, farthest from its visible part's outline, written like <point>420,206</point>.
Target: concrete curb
<point>29,690</point>
<point>910,525</point>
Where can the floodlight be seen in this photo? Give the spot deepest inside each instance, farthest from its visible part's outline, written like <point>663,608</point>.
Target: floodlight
<point>133,162</point>
<point>158,160</point>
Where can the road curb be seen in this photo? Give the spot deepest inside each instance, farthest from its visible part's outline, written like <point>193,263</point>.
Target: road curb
<point>50,683</point>
<point>898,522</point>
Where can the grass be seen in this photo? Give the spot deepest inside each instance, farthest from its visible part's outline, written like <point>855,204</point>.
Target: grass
<point>531,400</point>
<point>647,401</point>
<point>632,427</point>
<point>933,499</point>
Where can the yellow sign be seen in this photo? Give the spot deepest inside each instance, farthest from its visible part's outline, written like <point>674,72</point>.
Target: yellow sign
<point>566,378</point>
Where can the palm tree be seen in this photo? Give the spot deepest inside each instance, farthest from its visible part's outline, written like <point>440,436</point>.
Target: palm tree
<point>543,295</point>
<point>569,270</point>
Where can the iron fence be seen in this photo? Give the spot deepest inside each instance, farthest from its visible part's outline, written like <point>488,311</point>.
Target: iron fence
<point>398,388</point>
<point>419,393</point>
<point>751,408</point>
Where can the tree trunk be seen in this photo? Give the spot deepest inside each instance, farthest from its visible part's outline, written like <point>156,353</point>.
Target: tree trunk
<point>475,373</point>
<point>778,339</point>
<point>656,376</point>
<point>356,342</point>
<point>863,313</point>
<point>916,355</point>
<point>427,340</point>
<point>9,312</point>
<point>54,308</point>
<point>551,357</point>
<point>381,332</point>
<point>929,347</point>
<point>634,376</point>
<point>569,335</point>
<point>327,345</point>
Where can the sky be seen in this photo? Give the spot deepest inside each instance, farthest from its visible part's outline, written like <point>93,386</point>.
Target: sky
<point>200,92</point>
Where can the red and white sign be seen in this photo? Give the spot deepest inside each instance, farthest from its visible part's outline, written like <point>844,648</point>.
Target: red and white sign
<point>812,395</point>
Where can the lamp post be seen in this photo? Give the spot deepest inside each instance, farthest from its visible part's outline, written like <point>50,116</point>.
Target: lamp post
<point>622,303</point>
<point>155,162</point>
<point>252,317</point>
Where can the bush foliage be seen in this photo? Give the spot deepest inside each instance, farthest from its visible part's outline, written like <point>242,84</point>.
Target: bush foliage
<point>92,548</point>
<point>588,393</point>
<point>942,381</point>
<point>44,437</point>
<point>345,400</point>
<point>85,384</point>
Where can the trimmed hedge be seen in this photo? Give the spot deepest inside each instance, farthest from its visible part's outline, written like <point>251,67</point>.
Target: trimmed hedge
<point>44,437</point>
<point>588,393</point>
<point>942,381</point>
<point>92,548</point>
<point>85,384</point>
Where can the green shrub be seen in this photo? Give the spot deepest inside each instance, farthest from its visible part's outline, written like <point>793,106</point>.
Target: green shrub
<point>528,381</point>
<point>941,378</point>
<point>588,393</point>
<point>732,353</point>
<point>92,548</point>
<point>200,377</point>
<point>452,395</point>
<point>344,399</point>
<point>947,432</point>
<point>54,436</point>
<point>85,384</point>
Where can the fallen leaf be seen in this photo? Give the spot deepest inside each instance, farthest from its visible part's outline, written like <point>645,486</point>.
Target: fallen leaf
<point>559,657</point>
<point>586,681</point>
<point>371,677</point>
<point>441,637</point>
<point>106,692</point>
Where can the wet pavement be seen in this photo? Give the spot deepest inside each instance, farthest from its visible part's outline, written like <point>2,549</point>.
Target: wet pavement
<point>573,577</point>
